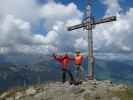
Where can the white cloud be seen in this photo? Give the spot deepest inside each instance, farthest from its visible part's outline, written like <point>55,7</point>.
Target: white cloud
<point>16,19</point>
<point>54,12</point>
<point>116,36</point>
<point>23,9</point>
<point>113,6</point>
<point>81,44</point>
<point>16,36</point>
<point>56,20</point>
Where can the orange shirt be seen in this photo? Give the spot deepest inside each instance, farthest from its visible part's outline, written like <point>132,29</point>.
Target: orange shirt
<point>78,59</point>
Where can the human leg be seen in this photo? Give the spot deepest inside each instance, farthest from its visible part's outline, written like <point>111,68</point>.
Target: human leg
<point>63,76</point>
<point>79,73</point>
<point>70,75</point>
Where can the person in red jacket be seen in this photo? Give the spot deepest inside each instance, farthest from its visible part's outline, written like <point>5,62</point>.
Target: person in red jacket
<point>64,61</point>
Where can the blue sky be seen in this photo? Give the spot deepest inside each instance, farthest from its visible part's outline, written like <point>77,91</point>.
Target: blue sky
<point>98,7</point>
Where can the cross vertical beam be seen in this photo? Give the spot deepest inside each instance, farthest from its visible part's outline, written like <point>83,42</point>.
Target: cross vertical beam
<point>88,18</point>
<point>90,56</point>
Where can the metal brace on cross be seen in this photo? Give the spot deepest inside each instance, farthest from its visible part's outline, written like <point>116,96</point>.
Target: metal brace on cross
<point>88,23</point>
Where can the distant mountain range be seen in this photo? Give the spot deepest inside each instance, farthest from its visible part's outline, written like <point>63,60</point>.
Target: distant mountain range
<point>12,75</point>
<point>117,71</point>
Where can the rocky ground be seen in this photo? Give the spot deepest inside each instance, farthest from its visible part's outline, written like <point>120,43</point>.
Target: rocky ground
<point>89,90</point>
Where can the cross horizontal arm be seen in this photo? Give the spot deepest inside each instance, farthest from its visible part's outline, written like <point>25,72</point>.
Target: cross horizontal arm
<point>104,20</point>
<point>75,27</point>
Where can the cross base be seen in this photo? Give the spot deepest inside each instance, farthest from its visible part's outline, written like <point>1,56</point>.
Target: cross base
<point>90,77</point>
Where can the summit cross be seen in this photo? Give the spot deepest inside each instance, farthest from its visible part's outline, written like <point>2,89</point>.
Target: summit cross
<point>88,23</point>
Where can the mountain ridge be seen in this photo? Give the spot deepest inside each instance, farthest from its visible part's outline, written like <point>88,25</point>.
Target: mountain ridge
<point>88,90</point>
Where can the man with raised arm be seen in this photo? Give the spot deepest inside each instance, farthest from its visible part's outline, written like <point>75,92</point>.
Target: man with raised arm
<point>64,61</point>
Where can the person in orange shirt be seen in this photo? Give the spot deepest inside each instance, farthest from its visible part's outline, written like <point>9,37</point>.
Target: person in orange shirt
<point>78,58</point>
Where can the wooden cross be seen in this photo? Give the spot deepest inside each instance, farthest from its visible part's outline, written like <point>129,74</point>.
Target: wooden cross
<point>88,23</point>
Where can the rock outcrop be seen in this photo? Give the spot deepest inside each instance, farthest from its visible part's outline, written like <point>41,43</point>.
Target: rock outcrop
<point>88,90</point>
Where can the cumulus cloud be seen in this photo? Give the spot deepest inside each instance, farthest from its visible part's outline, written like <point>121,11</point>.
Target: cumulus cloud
<point>116,36</point>
<point>17,18</point>
<point>23,9</point>
<point>16,36</point>
<point>56,21</point>
<point>54,12</point>
<point>113,6</point>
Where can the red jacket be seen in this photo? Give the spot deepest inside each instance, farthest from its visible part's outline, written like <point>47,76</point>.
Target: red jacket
<point>63,60</point>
